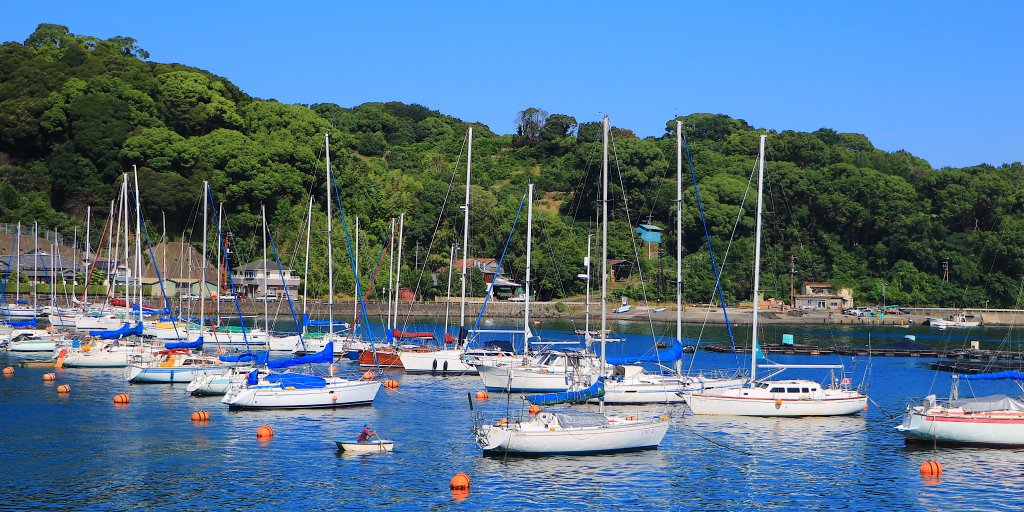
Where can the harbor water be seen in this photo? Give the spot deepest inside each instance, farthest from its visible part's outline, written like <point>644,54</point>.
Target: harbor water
<point>81,451</point>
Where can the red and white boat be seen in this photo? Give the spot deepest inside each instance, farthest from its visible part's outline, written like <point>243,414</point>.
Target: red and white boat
<point>994,420</point>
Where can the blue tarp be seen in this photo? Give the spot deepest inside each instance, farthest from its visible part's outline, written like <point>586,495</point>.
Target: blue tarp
<point>1008,374</point>
<point>307,322</point>
<point>324,356</point>
<point>669,355</point>
<point>126,330</point>
<point>569,397</point>
<point>259,358</point>
<point>297,380</point>
<point>26,323</point>
<point>184,344</point>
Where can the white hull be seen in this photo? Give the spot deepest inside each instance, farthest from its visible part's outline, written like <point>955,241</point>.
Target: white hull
<point>733,402</point>
<point>97,359</point>
<point>163,375</point>
<point>525,379</point>
<point>536,437</point>
<point>448,361</point>
<point>381,446</point>
<point>946,324</point>
<point>217,381</point>
<point>33,345</point>
<point>166,331</point>
<point>18,312</point>
<point>660,389</point>
<point>211,337</point>
<point>99,323</point>
<point>62,320</point>
<point>283,343</point>
<point>990,429</point>
<point>337,393</point>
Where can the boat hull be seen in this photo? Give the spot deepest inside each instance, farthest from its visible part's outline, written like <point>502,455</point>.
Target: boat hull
<point>137,374</point>
<point>598,440</point>
<point>344,393</point>
<point>996,430</point>
<point>773,407</point>
<point>382,446</point>
<point>521,379</point>
<point>447,361</point>
<point>384,359</point>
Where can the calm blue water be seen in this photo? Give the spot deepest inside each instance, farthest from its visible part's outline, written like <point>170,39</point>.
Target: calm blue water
<point>83,452</point>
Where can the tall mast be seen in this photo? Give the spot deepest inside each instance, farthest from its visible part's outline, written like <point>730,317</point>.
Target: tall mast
<point>391,273</point>
<point>529,248</point>
<point>266,289</point>
<point>138,238</point>
<point>127,244</point>
<point>604,250</point>
<point>74,267</point>
<point>222,256</point>
<point>398,268</point>
<point>202,274</point>
<point>35,267</point>
<point>305,272</point>
<point>355,289</point>
<point>586,318</point>
<point>330,247</point>
<point>17,265</point>
<point>112,249</point>
<point>757,257</point>
<point>679,231</point>
<point>465,238</point>
<point>89,258</point>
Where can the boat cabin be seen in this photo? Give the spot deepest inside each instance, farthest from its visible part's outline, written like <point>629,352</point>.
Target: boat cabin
<point>790,387</point>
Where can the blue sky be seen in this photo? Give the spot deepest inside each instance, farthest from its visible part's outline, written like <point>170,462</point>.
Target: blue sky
<point>942,80</point>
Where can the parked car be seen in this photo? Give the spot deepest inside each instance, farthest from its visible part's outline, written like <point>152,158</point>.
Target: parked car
<point>266,298</point>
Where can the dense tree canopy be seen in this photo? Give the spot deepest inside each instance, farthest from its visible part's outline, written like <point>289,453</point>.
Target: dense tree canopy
<point>77,111</point>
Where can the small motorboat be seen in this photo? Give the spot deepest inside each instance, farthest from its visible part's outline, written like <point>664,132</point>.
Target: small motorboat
<point>378,446</point>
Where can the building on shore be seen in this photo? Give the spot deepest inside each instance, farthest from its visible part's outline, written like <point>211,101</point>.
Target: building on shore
<point>823,296</point>
<point>251,281</point>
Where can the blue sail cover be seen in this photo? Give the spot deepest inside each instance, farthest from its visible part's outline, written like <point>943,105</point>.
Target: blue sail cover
<point>26,323</point>
<point>569,397</point>
<point>671,354</point>
<point>307,322</point>
<point>297,380</point>
<point>259,358</point>
<point>126,330</point>
<point>324,356</point>
<point>1008,374</point>
<point>198,344</point>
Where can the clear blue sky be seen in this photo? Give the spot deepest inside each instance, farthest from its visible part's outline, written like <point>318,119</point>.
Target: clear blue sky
<point>943,80</point>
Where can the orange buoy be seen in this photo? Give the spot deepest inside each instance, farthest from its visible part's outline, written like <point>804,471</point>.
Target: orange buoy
<point>459,482</point>
<point>49,377</point>
<point>865,406</point>
<point>931,468</point>
<point>9,370</point>
<point>86,348</point>
<point>332,369</point>
<point>64,388</point>
<point>264,432</point>
<point>778,403</point>
<point>482,395</point>
<point>201,416</point>
<point>391,384</point>
<point>534,409</point>
<point>368,375</point>
<point>122,398</point>
<point>503,421</point>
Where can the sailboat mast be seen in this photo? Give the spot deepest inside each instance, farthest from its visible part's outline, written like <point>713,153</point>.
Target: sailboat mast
<point>89,258</point>
<point>35,267</point>
<point>355,289</point>
<point>586,318</point>
<point>202,274</point>
<point>330,247</point>
<point>17,264</point>
<point>127,244</point>
<point>305,272</point>
<point>448,302</point>
<point>757,257</point>
<point>266,289</point>
<point>679,231</point>
<point>398,268</point>
<point>138,238</point>
<point>465,237</point>
<point>529,248</point>
<point>391,273</point>
<point>604,250</point>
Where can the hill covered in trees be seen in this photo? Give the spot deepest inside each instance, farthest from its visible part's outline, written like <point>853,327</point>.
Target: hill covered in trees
<point>77,111</point>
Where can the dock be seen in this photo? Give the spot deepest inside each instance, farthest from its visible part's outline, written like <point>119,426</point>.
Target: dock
<point>774,348</point>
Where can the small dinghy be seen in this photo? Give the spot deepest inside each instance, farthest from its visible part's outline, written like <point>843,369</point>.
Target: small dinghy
<point>379,446</point>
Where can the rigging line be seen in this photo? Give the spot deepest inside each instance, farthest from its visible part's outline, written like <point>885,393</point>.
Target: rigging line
<point>632,240</point>
<point>433,236</point>
<point>284,284</point>
<point>707,236</point>
<point>231,281</point>
<point>501,259</point>
<point>716,443</point>
<point>355,272</point>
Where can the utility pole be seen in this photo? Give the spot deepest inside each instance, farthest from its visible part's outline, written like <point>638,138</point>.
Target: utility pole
<point>945,271</point>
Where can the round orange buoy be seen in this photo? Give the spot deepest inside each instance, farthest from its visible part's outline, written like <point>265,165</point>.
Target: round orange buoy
<point>368,375</point>
<point>9,370</point>
<point>123,398</point>
<point>482,395</point>
<point>865,406</point>
<point>778,403</point>
<point>264,432</point>
<point>64,388</point>
<point>201,416</point>
<point>931,468</point>
<point>391,384</point>
<point>459,482</point>
<point>503,421</point>
<point>49,377</point>
<point>332,368</point>
<point>534,409</point>
<point>86,348</point>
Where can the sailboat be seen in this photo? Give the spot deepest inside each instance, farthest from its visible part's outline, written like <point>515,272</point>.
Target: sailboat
<point>571,431</point>
<point>776,397</point>
<point>993,420</point>
<point>19,308</point>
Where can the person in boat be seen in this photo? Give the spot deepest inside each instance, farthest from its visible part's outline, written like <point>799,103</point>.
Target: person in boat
<point>366,434</point>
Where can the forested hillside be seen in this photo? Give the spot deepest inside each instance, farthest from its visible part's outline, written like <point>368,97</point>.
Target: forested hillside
<point>77,111</point>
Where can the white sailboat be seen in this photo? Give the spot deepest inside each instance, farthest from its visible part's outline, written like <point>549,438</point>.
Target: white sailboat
<point>17,309</point>
<point>577,432</point>
<point>994,420</point>
<point>449,360</point>
<point>776,397</point>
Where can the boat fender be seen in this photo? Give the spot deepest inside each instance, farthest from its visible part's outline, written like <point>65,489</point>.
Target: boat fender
<point>778,403</point>
<point>446,366</point>
<point>435,364</point>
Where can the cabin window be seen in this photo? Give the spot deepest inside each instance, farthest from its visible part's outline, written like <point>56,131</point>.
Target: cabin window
<point>778,390</point>
<point>763,385</point>
<point>805,390</point>
<point>792,390</point>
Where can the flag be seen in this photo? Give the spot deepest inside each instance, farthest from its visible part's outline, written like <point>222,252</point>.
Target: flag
<point>757,350</point>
